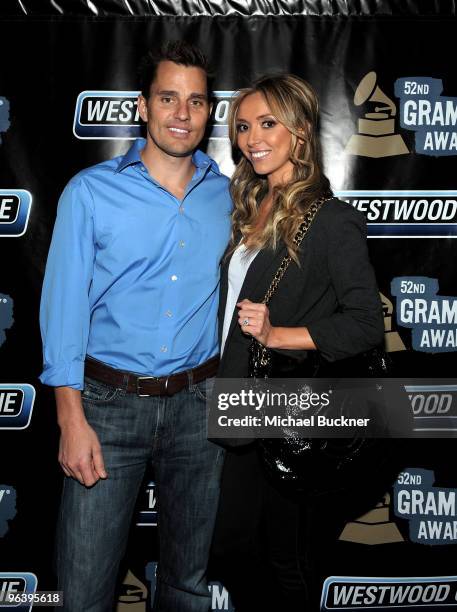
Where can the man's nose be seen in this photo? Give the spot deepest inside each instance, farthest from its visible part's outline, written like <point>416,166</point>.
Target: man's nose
<point>182,111</point>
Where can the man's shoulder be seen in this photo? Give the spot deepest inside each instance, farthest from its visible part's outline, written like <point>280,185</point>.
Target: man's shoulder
<point>96,172</point>
<point>220,181</point>
<point>224,180</point>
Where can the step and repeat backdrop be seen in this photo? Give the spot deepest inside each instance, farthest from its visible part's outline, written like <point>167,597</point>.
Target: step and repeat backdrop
<point>388,94</point>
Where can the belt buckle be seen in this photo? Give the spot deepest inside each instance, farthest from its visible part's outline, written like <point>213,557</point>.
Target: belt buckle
<point>138,379</point>
<point>165,386</point>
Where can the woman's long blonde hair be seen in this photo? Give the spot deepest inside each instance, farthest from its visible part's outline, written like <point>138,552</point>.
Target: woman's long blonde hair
<point>294,103</point>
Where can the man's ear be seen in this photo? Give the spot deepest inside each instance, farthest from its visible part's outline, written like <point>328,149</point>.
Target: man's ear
<point>142,108</point>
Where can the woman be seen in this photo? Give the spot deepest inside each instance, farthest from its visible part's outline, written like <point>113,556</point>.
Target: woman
<point>326,304</point>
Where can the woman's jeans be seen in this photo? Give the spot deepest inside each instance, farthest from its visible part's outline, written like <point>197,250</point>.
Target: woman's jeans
<point>94,522</point>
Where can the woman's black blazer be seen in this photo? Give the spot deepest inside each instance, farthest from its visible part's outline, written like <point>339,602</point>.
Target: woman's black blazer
<point>333,292</point>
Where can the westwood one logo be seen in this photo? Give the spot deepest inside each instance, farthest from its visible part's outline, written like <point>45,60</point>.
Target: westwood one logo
<point>147,516</point>
<point>406,214</point>
<point>15,207</point>
<point>16,583</point>
<point>113,115</point>
<point>363,593</point>
<point>16,405</point>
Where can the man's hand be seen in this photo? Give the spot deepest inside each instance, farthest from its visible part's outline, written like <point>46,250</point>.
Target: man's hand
<point>80,454</point>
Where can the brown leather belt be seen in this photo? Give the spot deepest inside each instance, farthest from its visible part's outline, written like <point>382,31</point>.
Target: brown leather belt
<point>144,386</point>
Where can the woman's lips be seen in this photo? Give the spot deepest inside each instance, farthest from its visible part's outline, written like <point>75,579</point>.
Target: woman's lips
<point>259,155</point>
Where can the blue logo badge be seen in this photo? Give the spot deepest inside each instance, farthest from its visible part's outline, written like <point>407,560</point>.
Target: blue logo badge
<point>430,115</point>
<point>434,407</point>
<point>113,115</point>
<point>148,516</point>
<point>16,405</point>
<point>7,507</point>
<point>16,583</point>
<point>431,317</point>
<point>406,214</point>
<point>6,315</point>
<point>431,511</point>
<point>4,116</point>
<point>363,593</point>
<point>15,207</point>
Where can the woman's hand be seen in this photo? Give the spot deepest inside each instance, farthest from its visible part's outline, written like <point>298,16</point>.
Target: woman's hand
<point>254,320</point>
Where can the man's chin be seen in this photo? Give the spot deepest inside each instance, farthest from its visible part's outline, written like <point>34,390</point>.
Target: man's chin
<point>177,150</point>
<point>174,153</point>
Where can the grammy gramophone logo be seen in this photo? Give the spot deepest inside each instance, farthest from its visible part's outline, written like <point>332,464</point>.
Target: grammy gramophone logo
<point>133,595</point>
<point>374,527</point>
<point>376,135</point>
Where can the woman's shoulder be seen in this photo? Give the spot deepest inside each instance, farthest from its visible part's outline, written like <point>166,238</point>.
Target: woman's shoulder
<point>334,212</point>
<point>338,208</point>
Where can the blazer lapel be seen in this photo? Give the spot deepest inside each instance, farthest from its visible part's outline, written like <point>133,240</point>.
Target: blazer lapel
<point>223,290</point>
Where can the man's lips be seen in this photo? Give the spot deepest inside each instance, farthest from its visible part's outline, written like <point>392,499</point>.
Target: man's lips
<point>178,132</point>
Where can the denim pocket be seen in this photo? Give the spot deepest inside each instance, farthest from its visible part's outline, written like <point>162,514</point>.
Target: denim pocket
<point>97,392</point>
<point>204,388</point>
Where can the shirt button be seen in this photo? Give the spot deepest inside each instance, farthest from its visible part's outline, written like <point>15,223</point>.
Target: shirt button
<point>164,349</point>
<point>174,277</point>
<point>143,169</point>
<point>182,244</point>
<point>181,209</point>
<point>169,313</point>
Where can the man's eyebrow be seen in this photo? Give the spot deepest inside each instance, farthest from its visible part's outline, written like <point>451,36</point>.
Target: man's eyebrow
<point>169,92</point>
<point>166,92</point>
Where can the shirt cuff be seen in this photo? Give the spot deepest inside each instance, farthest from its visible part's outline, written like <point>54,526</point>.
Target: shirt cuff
<point>64,375</point>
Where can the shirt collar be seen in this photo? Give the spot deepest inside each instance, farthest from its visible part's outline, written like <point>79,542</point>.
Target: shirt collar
<point>200,159</point>
<point>132,156</point>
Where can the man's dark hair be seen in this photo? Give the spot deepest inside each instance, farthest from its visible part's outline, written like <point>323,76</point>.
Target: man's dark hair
<point>177,51</point>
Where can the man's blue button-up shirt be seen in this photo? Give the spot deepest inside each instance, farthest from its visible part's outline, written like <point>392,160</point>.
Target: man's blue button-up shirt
<point>132,273</point>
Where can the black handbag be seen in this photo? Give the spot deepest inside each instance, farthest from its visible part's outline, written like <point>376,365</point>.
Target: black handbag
<point>311,463</point>
<point>326,464</point>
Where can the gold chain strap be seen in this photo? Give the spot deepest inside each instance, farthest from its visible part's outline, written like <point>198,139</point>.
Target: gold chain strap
<point>304,227</point>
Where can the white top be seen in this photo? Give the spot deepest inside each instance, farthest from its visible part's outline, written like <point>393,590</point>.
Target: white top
<point>239,265</point>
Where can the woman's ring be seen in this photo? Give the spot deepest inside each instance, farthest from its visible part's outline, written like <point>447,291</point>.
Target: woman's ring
<point>245,322</point>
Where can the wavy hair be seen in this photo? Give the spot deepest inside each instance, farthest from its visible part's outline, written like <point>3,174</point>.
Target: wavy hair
<point>293,103</point>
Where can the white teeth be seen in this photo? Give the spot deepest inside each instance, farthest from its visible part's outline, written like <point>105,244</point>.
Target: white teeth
<point>259,154</point>
<point>173,129</point>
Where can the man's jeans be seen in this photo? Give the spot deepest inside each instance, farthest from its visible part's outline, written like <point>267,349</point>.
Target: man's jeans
<point>94,523</point>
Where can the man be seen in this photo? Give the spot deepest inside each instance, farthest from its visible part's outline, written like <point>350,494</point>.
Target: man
<point>130,299</point>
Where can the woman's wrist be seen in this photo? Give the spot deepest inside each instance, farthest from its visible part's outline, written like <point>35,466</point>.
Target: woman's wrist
<point>273,338</point>
<point>291,338</point>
